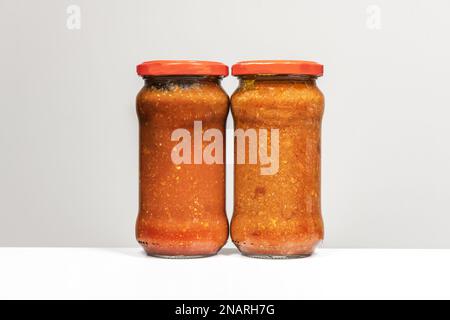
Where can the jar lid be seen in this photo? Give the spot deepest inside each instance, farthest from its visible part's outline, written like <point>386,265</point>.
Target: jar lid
<point>181,67</point>
<point>298,67</point>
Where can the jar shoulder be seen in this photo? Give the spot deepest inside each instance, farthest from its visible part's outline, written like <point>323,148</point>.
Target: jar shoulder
<point>275,93</point>
<point>182,105</point>
<point>277,104</point>
<point>182,95</point>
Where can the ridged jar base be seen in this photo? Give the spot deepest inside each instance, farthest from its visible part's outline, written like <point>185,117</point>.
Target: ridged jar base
<point>180,249</point>
<point>277,257</point>
<point>199,256</point>
<point>290,250</point>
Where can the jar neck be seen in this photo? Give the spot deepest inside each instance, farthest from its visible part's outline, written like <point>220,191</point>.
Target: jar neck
<point>165,81</point>
<point>259,78</point>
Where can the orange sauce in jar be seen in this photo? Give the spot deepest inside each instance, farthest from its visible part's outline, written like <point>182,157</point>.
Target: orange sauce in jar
<point>278,215</point>
<point>181,205</point>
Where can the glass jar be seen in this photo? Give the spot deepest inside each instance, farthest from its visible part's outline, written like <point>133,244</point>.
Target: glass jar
<point>277,113</point>
<point>182,110</point>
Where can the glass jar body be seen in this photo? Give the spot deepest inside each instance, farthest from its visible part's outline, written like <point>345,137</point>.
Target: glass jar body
<point>181,205</point>
<point>278,214</point>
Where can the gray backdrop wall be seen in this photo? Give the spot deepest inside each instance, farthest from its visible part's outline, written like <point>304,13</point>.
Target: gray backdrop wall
<point>68,129</point>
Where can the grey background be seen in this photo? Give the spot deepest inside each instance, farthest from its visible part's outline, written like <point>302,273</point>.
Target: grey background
<point>68,129</point>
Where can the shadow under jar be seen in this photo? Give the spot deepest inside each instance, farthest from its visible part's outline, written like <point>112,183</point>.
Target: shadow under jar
<point>181,204</point>
<point>277,212</point>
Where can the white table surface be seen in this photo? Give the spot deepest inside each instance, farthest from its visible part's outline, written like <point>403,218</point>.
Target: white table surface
<point>102,273</point>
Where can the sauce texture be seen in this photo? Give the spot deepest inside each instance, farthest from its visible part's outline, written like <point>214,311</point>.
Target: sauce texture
<point>279,215</point>
<point>181,207</point>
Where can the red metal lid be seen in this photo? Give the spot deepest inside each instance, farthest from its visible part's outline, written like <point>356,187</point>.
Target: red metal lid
<point>181,67</point>
<point>277,67</point>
